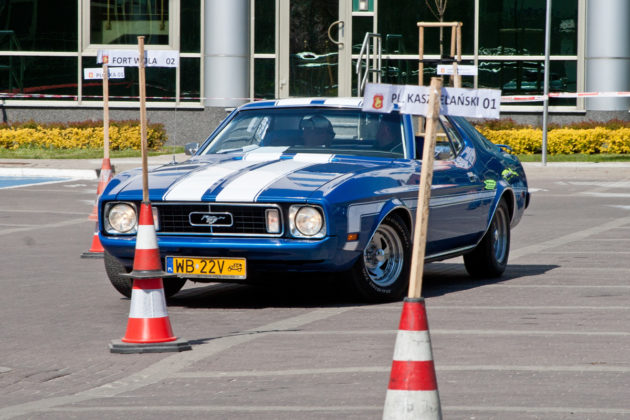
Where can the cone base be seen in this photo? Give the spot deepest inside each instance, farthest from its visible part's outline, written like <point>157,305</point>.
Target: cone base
<point>118,346</point>
<point>92,254</point>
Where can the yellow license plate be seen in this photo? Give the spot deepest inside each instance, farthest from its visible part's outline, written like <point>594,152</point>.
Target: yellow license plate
<point>210,267</point>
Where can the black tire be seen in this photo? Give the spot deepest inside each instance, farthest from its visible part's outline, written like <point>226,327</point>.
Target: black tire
<point>115,268</point>
<point>490,257</point>
<point>382,272</point>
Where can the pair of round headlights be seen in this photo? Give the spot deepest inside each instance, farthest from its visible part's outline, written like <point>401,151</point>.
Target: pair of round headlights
<point>305,221</point>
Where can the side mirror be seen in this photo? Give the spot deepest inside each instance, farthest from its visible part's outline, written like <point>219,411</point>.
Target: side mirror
<point>506,148</point>
<point>191,148</point>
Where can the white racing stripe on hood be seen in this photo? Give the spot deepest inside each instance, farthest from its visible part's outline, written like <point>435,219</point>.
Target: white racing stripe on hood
<point>265,154</point>
<point>247,187</point>
<point>195,185</point>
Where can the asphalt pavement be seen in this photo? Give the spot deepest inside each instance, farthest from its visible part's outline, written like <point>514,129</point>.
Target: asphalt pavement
<point>548,340</point>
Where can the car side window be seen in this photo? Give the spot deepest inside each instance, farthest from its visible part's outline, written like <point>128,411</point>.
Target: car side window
<point>456,140</point>
<point>444,149</point>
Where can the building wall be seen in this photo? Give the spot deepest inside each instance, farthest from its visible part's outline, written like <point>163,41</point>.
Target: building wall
<point>44,56</point>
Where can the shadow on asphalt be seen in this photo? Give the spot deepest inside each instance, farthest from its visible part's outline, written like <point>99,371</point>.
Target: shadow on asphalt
<point>324,290</point>
<point>444,278</point>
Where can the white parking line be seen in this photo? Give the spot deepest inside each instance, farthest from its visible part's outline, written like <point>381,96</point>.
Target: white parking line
<point>44,226</point>
<point>471,332</point>
<point>382,369</point>
<point>566,239</point>
<point>569,411</point>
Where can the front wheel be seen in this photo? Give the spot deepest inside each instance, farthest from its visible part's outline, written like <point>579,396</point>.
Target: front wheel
<point>123,285</point>
<point>490,257</point>
<point>382,272</point>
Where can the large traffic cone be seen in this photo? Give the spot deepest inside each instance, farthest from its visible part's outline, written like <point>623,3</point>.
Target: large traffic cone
<point>103,179</point>
<point>412,392</point>
<point>96,249</point>
<point>149,328</point>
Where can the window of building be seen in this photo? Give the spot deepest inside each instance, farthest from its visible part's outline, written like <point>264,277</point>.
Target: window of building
<point>190,24</point>
<point>29,25</point>
<point>401,17</point>
<point>518,27</point>
<point>264,42</point>
<point>116,22</point>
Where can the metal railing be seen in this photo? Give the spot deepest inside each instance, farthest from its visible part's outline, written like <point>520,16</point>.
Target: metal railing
<point>369,60</point>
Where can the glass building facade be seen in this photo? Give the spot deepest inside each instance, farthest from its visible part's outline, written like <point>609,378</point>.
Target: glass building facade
<point>296,48</point>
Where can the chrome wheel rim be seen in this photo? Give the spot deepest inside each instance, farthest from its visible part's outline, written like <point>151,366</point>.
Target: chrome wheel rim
<point>500,231</point>
<point>384,256</point>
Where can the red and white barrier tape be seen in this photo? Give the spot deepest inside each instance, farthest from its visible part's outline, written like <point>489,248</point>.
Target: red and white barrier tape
<point>504,99</point>
<point>75,97</point>
<point>539,98</point>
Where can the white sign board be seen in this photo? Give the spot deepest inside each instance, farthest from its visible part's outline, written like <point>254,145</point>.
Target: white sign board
<point>130,58</point>
<point>462,70</point>
<point>97,73</point>
<point>474,103</point>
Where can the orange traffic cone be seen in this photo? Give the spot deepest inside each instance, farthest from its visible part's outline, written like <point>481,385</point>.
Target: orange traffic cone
<point>412,392</point>
<point>96,249</point>
<point>149,328</point>
<point>104,178</point>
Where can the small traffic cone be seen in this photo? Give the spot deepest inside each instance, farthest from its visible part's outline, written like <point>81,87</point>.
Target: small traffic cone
<point>103,179</point>
<point>96,250</point>
<point>149,328</point>
<point>412,392</point>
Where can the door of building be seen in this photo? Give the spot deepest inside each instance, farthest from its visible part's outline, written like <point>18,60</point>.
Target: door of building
<point>314,40</point>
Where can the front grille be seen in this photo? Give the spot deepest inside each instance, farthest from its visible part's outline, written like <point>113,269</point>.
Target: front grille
<point>247,219</point>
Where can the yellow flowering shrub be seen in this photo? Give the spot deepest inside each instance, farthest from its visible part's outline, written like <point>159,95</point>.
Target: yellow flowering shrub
<point>562,140</point>
<point>89,136</point>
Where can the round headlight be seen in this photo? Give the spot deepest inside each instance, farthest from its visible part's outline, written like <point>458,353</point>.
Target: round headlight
<point>308,221</point>
<point>122,217</point>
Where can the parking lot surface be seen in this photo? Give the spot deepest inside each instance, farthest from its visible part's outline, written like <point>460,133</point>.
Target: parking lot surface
<point>548,340</point>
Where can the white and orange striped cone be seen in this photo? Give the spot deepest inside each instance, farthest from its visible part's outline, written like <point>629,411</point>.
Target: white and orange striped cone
<point>96,249</point>
<point>103,179</point>
<point>149,328</point>
<point>412,392</point>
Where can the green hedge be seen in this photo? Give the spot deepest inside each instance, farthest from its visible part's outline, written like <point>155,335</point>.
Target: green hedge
<point>123,135</point>
<point>587,137</point>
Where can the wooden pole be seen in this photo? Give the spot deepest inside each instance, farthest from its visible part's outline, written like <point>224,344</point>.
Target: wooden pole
<point>420,120</point>
<point>143,121</point>
<point>458,77</point>
<point>105,111</point>
<point>424,193</point>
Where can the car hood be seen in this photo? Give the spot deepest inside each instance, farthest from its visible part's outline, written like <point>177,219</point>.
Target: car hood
<point>246,178</point>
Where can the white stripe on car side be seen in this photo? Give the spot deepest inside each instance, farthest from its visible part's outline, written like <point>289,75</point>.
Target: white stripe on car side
<point>195,185</point>
<point>248,186</point>
<point>357,211</point>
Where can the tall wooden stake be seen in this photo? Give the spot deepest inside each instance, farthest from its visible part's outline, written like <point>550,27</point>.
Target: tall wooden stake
<point>424,193</point>
<point>143,121</point>
<point>105,111</point>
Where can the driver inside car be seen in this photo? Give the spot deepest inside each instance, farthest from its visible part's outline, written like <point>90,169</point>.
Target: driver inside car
<point>317,131</point>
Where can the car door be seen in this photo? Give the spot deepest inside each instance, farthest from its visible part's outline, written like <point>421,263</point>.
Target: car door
<point>458,207</point>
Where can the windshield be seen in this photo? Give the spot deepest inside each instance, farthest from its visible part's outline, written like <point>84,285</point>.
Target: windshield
<point>312,130</point>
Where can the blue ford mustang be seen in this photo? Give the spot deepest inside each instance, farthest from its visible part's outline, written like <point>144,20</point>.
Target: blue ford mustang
<point>310,185</point>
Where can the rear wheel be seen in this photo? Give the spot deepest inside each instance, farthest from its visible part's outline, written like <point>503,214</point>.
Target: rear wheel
<point>490,257</point>
<point>382,272</point>
<point>115,268</point>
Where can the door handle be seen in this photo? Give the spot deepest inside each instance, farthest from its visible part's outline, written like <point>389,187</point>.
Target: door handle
<point>340,24</point>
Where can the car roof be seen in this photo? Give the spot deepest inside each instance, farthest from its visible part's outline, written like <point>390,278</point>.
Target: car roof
<point>341,102</point>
